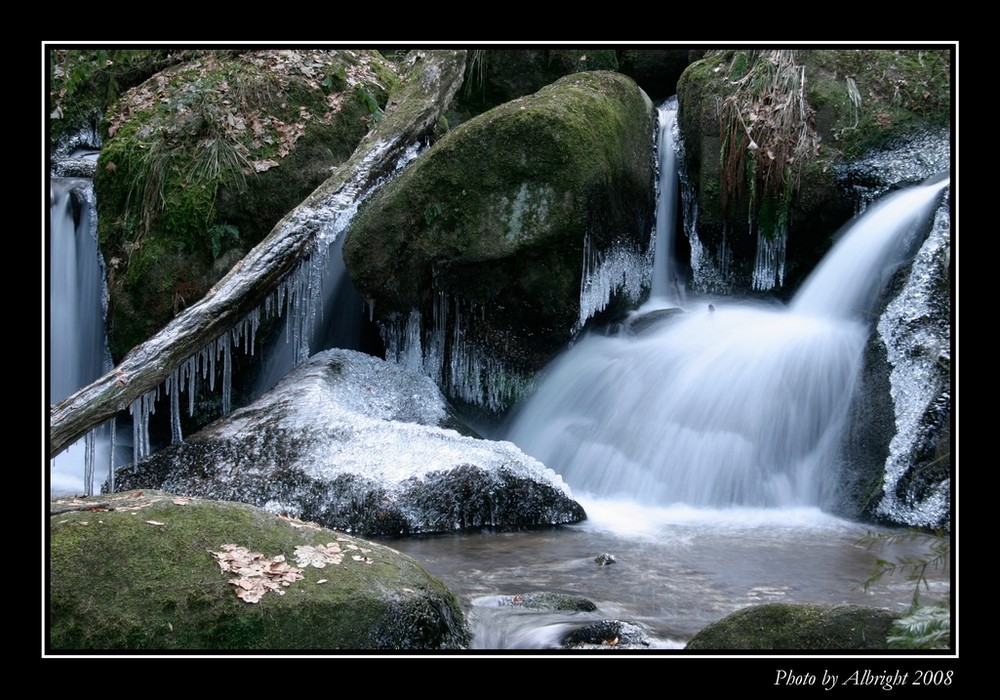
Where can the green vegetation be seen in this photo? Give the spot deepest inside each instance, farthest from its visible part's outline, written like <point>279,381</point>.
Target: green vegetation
<point>83,83</point>
<point>863,98</point>
<point>924,626</point>
<point>766,137</point>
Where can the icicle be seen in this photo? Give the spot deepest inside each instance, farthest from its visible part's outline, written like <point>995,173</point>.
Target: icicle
<point>227,374</point>
<point>213,352</point>
<point>140,410</point>
<point>111,459</point>
<point>90,442</point>
<point>616,271</point>
<point>254,325</point>
<point>413,354</point>
<point>136,410</point>
<point>174,390</point>
<point>191,367</point>
<point>769,264</point>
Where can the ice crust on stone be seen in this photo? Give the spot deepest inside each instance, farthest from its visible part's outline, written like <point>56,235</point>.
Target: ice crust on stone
<point>384,419</point>
<point>298,296</point>
<point>354,442</point>
<point>913,160</point>
<point>916,333</point>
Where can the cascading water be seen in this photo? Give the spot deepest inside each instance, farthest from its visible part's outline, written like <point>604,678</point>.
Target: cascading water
<point>665,283</point>
<point>78,351</point>
<point>736,406</point>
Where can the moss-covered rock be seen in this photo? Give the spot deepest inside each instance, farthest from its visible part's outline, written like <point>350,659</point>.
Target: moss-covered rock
<point>768,135</point>
<point>136,571</point>
<point>207,155</point>
<point>490,228</point>
<point>798,627</point>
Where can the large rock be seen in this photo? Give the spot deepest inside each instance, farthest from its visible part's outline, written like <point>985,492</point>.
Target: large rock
<point>897,451</point>
<point>475,256</point>
<point>142,571</point>
<point>205,157</point>
<point>355,443</point>
<point>784,626</point>
<point>769,137</point>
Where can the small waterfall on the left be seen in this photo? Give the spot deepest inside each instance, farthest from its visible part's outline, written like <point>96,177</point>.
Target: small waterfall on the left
<point>77,345</point>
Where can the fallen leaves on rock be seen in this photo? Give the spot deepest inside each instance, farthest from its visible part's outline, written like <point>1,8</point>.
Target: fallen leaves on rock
<point>255,573</point>
<point>319,556</point>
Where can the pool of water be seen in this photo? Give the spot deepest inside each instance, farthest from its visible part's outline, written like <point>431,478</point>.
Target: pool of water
<point>675,571</point>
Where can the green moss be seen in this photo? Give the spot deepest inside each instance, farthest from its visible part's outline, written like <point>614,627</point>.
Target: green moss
<point>783,626</point>
<point>227,140</point>
<point>144,578</point>
<point>539,161</point>
<point>898,91</point>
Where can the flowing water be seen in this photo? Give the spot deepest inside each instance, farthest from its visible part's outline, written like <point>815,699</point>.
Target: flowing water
<point>703,442</point>
<point>702,445</point>
<point>699,439</point>
<point>78,352</point>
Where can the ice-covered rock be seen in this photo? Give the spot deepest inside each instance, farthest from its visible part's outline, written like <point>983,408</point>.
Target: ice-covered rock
<point>357,443</point>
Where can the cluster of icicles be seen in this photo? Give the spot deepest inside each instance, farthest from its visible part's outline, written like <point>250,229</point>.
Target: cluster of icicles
<point>299,294</point>
<point>296,294</point>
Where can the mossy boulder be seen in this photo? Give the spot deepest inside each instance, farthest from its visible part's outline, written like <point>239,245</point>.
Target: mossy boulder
<point>768,140</point>
<point>204,157</point>
<point>485,236</point>
<point>136,571</point>
<point>798,627</point>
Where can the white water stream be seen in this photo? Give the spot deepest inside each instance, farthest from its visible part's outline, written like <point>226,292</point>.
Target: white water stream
<point>700,447</point>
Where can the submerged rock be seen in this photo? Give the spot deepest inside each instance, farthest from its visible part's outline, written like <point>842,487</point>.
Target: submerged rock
<point>784,626</point>
<point>355,443</point>
<point>142,570</point>
<point>607,634</point>
<point>561,602</point>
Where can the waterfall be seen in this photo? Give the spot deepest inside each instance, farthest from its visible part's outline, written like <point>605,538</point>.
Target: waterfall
<point>740,405</point>
<point>665,283</point>
<point>78,351</point>
<point>859,264</point>
<point>327,311</point>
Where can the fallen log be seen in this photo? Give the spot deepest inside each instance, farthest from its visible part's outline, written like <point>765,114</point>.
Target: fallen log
<point>424,95</point>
